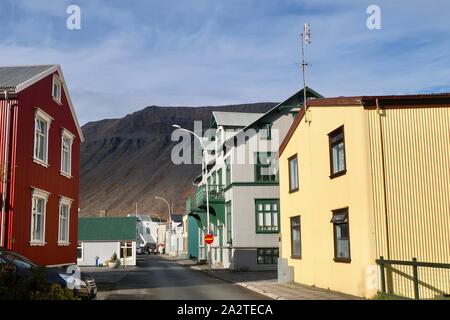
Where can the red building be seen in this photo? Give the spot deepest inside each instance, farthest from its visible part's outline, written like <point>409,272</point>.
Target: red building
<point>39,165</point>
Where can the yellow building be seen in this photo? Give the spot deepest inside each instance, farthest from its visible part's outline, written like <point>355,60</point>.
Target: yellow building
<point>363,178</point>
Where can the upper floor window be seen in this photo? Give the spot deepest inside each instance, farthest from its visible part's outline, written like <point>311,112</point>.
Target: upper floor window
<point>228,171</point>
<point>266,169</point>
<point>265,132</point>
<point>267,216</point>
<point>38,211</point>
<point>66,152</point>
<point>56,89</point>
<point>337,152</point>
<point>42,123</point>
<point>293,174</point>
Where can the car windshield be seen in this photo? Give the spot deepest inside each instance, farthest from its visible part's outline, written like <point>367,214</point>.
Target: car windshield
<point>18,260</point>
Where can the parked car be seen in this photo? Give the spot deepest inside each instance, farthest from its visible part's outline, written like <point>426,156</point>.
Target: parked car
<point>82,284</point>
<point>150,248</point>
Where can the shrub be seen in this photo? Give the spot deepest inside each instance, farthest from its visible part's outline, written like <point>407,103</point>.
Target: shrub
<point>33,287</point>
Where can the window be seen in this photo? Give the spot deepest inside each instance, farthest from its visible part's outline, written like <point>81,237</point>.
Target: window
<point>126,247</point>
<point>228,171</point>
<point>296,242</point>
<point>337,153</point>
<point>228,217</point>
<point>66,153</point>
<point>64,221</point>
<point>41,130</point>
<point>38,210</point>
<point>267,217</point>
<point>266,169</point>
<point>293,174</point>
<point>147,230</point>
<point>341,235</point>
<point>265,132</point>
<point>267,256</point>
<point>80,251</point>
<point>56,89</point>
<point>219,180</point>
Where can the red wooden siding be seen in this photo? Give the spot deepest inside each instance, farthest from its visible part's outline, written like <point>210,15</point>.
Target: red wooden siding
<point>28,174</point>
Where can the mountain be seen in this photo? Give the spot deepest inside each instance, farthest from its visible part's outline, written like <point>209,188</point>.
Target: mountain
<point>128,160</point>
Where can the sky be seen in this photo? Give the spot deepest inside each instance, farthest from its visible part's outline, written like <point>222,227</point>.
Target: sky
<point>132,54</point>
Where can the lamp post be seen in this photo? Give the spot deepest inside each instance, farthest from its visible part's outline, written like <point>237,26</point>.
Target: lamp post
<point>204,152</point>
<point>170,219</point>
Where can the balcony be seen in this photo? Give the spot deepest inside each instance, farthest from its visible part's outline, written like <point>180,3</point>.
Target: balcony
<point>196,205</point>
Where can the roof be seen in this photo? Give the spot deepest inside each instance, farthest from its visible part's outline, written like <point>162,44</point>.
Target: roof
<point>294,101</point>
<point>370,102</point>
<point>233,119</point>
<point>107,229</point>
<point>15,79</point>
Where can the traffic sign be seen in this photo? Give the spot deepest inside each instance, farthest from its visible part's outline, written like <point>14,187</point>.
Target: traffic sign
<point>209,238</point>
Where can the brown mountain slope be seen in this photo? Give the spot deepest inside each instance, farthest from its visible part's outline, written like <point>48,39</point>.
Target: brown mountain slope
<point>128,160</point>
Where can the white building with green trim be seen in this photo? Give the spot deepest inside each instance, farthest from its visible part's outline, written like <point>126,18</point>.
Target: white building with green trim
<point>243,187</point>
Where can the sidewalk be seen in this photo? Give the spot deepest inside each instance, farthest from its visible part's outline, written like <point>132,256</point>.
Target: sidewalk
<point>265,283</point>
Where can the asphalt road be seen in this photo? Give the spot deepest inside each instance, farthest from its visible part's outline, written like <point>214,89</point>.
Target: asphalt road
<point>155,278</point>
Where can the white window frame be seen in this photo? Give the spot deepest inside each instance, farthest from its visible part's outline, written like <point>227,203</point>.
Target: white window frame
<point>40,195</point>
<point>63,201</point>
<point>41,115</point>
<point>57,80</point>
<point>68,135</point>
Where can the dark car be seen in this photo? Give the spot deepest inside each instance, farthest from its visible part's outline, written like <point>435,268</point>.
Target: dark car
<point>82,284</point>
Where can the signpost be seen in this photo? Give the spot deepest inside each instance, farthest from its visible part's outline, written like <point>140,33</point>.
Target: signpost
<point>209,238</point>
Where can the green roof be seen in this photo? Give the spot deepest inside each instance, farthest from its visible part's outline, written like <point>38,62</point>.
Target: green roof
<point>107,229</point>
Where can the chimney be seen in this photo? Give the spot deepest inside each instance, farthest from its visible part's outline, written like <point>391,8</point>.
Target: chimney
<point>103,213</point>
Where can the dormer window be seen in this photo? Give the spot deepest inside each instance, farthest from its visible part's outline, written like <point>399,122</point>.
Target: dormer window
<point>56,89</point>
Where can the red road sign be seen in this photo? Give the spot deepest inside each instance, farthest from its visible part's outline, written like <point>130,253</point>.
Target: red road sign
<point>209,238</point>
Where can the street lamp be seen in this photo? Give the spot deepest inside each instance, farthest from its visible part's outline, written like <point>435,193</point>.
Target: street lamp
<point>208,246</point>
<point>170,220</point>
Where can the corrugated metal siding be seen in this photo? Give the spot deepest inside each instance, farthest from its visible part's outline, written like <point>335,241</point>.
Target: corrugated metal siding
<point>25,174</point>
<point>416,143</point>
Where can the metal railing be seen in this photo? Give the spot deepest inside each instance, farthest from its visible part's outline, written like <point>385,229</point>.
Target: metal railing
<point>414,279</point>
<point>215,192</point>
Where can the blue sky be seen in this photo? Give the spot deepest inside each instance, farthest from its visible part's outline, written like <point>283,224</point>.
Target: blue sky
<point>130,54</point>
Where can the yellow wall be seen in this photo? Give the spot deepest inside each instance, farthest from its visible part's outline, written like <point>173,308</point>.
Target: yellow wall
<point>417,165</point>
<point>319,195</point>
<point>415,156</point>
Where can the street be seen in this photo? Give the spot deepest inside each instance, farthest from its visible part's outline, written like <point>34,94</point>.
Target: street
<point>156,278</point>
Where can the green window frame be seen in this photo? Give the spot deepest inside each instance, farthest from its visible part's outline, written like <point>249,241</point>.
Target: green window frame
<point>214,178</point>
<point>228,222</point>
<point>265,165</point>
<point>228,172</point>
<point>265,131</point>
<point>267,255</point>
<point>219,179</point>
<point>267,215</point>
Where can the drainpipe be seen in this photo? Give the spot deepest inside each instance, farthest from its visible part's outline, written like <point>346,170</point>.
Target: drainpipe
<point>383,167</point>
<point>5,170</point>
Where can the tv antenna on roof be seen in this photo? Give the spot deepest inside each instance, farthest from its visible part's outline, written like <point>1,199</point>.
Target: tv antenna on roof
<point>306,39</point>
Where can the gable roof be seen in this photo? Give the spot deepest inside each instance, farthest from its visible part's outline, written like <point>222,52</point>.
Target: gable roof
<point>294,101</point>
<point>107,229</point>
<point>233,119</point>
<point>370,102</point>
<point>15,79</point>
